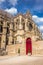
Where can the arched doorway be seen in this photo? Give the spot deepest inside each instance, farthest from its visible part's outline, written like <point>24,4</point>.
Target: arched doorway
<point>28,46</point>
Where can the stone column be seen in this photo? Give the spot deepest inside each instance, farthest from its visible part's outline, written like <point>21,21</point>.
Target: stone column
<point>26,27</point>
<point>20,23</point>
<point>0,41</point>
<point>15,27</point>
<point>11,33</point>
<point>3,42</point>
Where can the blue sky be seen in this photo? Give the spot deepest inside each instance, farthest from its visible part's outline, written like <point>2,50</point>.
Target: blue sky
<point>21,6</point>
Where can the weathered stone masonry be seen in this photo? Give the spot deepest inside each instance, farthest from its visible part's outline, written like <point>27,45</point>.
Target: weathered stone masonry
<point>14,30</point>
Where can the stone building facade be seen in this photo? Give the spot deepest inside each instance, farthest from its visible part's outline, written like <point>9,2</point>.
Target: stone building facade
<point>15,31</point>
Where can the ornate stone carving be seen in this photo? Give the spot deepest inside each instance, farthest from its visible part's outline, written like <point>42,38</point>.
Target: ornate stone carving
<point>20,25</point>
<point>19,39</point>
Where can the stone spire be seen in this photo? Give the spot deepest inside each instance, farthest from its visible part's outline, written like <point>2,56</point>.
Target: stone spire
<point>28,15</point>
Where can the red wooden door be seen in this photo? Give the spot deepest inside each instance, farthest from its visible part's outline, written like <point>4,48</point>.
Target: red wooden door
<point>28,46</point>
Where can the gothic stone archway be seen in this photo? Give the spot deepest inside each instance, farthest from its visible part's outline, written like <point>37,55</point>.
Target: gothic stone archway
<point>28,46</point>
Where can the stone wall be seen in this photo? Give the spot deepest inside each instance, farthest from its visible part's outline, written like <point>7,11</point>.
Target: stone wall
<point>37,48</point>
<point>13,49</point>
<point>14,28</point>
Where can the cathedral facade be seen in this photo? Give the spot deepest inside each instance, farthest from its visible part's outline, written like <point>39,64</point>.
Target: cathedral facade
<point>18,34</point>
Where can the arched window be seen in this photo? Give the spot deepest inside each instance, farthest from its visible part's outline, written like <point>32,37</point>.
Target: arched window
<point>8,28</point>
<point>6,40</point>
<point>0,42</point>
<point>13,41</point>
<point>1,27</point>
<point>7,32</point>
<point>23,24</point>
<point>17,24</point>
<point>30,26</point>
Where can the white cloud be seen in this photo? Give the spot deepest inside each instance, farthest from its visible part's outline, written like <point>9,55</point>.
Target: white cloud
<point>1,1</point>
<point>12,10</point>
<point>13,2</point>
<point>41,27</point>
<point>39,21</point>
